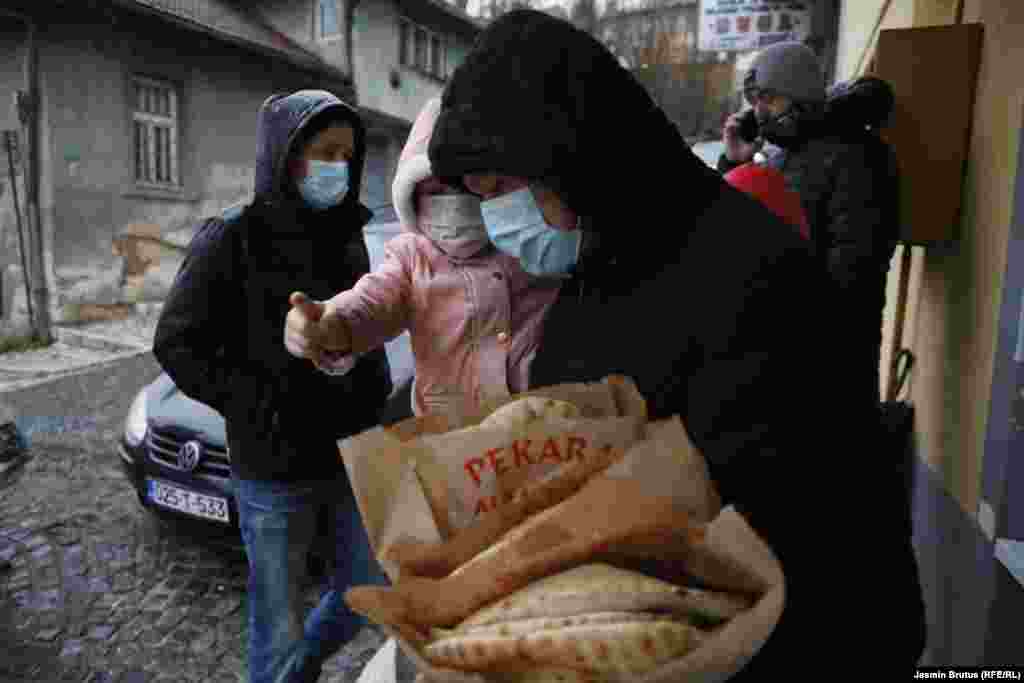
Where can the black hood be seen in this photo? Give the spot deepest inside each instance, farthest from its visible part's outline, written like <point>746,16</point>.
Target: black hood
<point>285,123</point>
<point>860,103</point>
<point>541,99</point>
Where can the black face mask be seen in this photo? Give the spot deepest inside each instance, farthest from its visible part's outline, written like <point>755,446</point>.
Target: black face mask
<point>783,130</point>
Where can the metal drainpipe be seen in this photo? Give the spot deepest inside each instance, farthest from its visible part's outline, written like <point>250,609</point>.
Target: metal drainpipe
<point>40,292</point>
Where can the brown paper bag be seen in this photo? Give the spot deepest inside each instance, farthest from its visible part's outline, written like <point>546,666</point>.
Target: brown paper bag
<point>478,468</point>
<point>395,501</point>
<point>466,470</point>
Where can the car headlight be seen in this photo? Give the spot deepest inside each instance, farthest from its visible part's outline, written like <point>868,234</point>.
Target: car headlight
<point>135,425</point>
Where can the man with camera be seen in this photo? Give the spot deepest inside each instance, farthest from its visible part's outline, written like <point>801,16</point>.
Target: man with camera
<point>827,147</point>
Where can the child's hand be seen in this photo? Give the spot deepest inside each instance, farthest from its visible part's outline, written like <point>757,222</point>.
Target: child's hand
<point>311,330</point>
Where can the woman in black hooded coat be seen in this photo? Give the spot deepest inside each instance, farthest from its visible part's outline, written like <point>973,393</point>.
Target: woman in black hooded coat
<point>701,295</point>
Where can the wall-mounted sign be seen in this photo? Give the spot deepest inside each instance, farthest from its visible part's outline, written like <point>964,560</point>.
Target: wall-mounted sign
<point>734,25</point>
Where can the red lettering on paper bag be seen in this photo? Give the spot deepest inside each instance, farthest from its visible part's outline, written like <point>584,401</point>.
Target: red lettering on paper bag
<point>521,453</point>
<point>551,451</point>
<point>497,464</point>
<point>483,495</point>
<point>474,466</point>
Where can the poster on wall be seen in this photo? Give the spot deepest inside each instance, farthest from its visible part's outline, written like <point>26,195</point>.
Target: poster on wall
<point>739,25</point>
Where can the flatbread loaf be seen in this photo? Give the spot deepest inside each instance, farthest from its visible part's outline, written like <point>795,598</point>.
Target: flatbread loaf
<point>521,412</point>
<point>623,648</point>
<point>599,587</point>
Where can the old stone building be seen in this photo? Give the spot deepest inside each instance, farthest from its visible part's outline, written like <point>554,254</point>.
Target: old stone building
<point>146,119</point>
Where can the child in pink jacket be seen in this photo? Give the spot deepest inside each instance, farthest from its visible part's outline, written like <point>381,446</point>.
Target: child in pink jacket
<point>473,314</point>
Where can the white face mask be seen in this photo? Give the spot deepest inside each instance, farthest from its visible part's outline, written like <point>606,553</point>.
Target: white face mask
<point>453,222</point>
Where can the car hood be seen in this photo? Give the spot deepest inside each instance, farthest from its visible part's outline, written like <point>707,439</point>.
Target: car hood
<point>166,405</point>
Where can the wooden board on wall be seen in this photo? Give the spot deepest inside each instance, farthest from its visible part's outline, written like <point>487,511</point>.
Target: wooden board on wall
<point>933,71</point>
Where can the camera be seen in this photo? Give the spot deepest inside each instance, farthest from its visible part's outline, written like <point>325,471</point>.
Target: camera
<point>749,129</point>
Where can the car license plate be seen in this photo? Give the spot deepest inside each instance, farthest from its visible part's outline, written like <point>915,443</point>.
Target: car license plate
<point>189,502</point>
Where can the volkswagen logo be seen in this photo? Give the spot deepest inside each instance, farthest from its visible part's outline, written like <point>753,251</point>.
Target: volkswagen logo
<point>189,455</point>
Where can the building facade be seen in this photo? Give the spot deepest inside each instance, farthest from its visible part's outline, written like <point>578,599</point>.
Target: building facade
<point>146,122</point>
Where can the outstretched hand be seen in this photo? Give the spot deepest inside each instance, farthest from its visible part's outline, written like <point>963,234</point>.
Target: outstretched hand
<point>313,331</point>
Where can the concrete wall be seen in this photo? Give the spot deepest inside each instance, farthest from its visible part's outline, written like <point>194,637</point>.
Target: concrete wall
<point>298,21</point>
<point>107,241</point>
<point>375,43</point>
<point>294,19</point>
<point>12,69</point>
<point>376,54</point>
<point>12,79</point>
<point>88,194</point>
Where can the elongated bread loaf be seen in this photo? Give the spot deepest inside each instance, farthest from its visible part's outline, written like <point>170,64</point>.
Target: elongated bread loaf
<point>437,560</point>
<point>601,588</point>
<point>561,537</point>
<point>623,648</point>
<point>529,625</point>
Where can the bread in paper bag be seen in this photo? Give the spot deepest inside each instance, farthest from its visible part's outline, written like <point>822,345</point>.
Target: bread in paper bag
<point>437,560</point>
<point>671,470</point>
<point>522,412</point>
<point>585,526</point>
<point>482,466</point>
<point>714,655</point>
<point>601,588</point>
<point>624,648</point>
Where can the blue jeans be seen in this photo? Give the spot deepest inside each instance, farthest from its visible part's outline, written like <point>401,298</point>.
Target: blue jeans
<point>278,522</point>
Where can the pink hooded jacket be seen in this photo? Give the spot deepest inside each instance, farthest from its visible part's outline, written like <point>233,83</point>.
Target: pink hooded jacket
<point>474,322</point>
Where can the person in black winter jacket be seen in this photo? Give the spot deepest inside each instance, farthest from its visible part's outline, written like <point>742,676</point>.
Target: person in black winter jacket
<point>828,149</point>
<point>697,292</point>
<point>219,339</point>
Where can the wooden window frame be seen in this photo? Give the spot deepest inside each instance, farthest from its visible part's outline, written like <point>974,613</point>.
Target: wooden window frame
<point>158,164</point>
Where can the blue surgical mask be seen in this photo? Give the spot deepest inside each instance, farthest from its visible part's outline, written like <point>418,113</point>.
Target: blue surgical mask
<point>325,185</point>
<point>517,227</point>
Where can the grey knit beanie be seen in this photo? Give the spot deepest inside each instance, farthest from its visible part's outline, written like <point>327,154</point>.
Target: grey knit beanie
<point>790,69</point>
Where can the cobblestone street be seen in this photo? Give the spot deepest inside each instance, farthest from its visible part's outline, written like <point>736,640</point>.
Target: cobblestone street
<point>96,589</point>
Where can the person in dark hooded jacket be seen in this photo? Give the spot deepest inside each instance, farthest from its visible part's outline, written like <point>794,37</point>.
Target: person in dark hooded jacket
<point>828,149</point>
<point>697,292</point>
<point>219,339</point>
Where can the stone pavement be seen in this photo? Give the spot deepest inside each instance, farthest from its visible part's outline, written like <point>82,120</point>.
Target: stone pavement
<point>98,590</point>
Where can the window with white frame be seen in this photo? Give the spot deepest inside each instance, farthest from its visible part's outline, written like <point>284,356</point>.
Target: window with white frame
<point>327,22</point>
<point>422,49</point>
<point>155,122</point>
